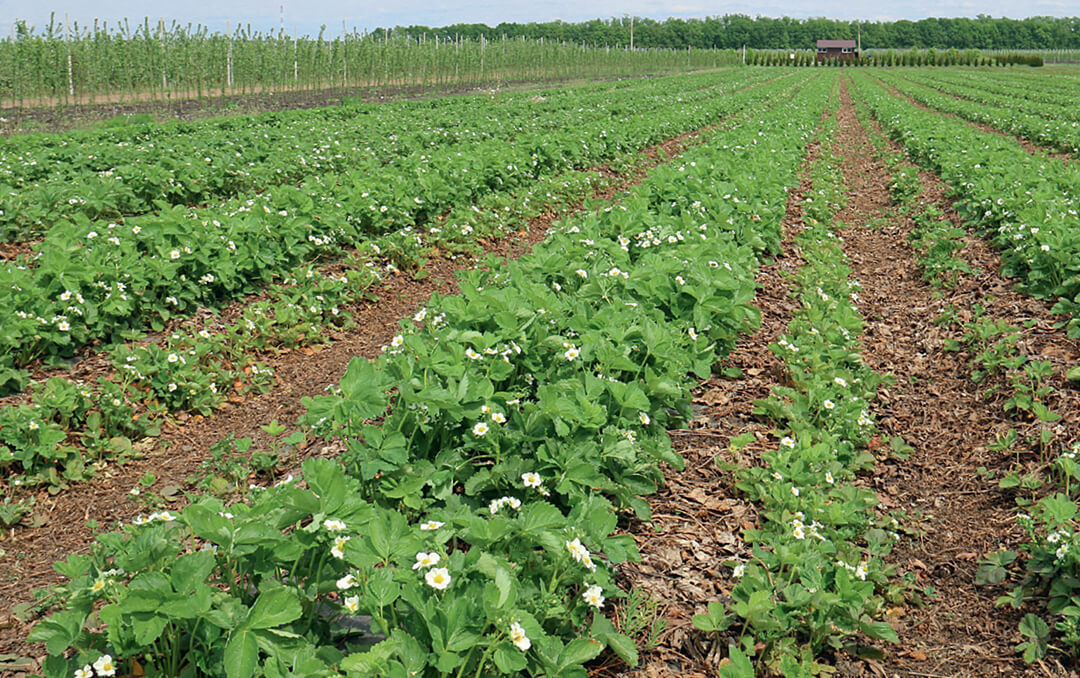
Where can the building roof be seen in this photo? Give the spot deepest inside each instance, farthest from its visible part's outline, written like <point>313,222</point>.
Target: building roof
<point>832,44</point>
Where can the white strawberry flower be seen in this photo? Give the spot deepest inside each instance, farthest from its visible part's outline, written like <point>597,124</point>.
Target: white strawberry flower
<point>438,578</point>
<point>105,666</point>
<point>594,596</point>
<point>426,560</point>
<point>352,604</point>
<point>347,582</point>
<point>338,550</point>
<point>520,640</point>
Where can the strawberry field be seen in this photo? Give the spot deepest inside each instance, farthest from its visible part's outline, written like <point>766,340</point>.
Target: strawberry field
<point>760,371</point>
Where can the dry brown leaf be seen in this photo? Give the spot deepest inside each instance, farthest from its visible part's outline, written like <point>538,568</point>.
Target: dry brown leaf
<point>715,397</point>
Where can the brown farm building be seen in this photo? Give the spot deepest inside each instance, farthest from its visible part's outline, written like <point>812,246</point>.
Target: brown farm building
<point>837,49</point>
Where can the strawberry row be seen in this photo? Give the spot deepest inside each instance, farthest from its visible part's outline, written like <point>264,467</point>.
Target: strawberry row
<point>821,533</point>
<point>1026,205</point>
<point>1035,123</point>
<point>69,428</point>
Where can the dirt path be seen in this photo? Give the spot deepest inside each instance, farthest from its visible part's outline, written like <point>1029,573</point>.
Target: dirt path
<point>936,408</point>
<point>60,521</point>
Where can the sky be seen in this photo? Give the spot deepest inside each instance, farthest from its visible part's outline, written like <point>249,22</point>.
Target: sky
<point>307,16</point>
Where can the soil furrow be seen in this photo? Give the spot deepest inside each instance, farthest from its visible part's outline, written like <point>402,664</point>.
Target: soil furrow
<point>1041,340</point>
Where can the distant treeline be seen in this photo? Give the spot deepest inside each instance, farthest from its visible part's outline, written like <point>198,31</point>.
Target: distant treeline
<point>732,31</point>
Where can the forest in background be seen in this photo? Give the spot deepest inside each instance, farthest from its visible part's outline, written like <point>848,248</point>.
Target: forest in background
<point>733,31</point>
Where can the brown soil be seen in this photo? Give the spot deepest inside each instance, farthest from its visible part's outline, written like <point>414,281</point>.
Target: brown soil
<point>59,525</point>
<point>9,251</point>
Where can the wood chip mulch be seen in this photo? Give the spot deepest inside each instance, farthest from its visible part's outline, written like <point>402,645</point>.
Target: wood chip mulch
<point>946,417</point>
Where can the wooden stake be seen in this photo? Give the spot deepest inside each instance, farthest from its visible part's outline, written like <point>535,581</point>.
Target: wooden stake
<point>67,39</point>
<point>228,59</point>
<point>164,55</point>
